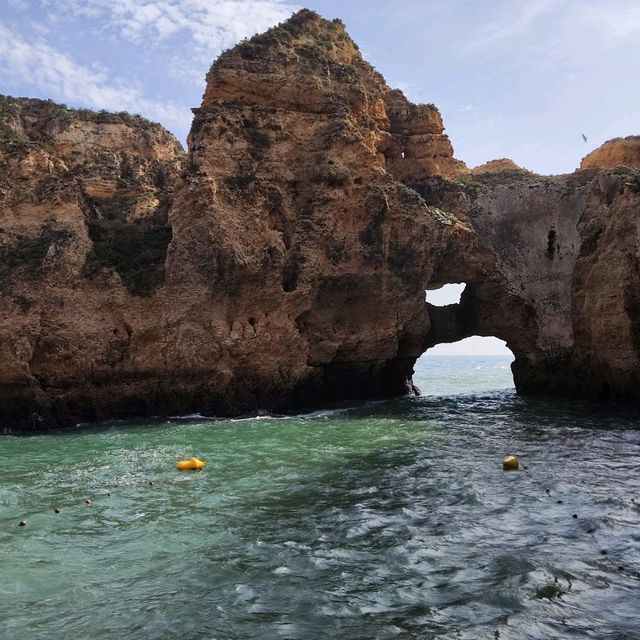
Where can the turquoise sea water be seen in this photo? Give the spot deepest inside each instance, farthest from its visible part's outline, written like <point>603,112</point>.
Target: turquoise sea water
<point>386,520</point>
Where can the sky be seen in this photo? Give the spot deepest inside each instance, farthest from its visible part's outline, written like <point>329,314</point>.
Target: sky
<point>522,79</point>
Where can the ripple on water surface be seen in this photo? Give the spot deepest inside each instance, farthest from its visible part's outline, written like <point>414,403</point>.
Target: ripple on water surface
<point>392,520</point>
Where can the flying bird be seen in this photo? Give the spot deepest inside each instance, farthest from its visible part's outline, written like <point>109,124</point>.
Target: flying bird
<point>584,137</point>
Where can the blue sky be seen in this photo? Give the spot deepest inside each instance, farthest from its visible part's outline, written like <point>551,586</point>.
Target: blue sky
<point>513,78</point>
<point>519,79</point>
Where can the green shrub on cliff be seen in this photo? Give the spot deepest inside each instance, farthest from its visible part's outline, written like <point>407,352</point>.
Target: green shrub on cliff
<point>135,249</point>
<point>26,254</point>
<point>441,216</point>
<point>629,176</point>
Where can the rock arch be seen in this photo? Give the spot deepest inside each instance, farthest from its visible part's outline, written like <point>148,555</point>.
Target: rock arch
<point>550,270</point>
<point>300,247</point>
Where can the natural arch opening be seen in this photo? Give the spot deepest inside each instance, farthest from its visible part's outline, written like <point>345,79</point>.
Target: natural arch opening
<point>445,294</point>
<point>472,365</point>
<point>472,346</point>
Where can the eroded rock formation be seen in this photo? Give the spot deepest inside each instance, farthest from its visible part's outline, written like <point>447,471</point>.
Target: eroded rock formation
<point>84,231</point>
<point>551,266</point>
<point>306,256</point>
<point>496,166</point>
<point>284,261</point>
<point>614,153</point>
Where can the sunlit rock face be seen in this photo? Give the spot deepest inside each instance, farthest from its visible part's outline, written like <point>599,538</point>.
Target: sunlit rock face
<point>278,264</point>
<point>283,261</point>
<point>291,236</point>
<point>614,153</point>
<point>84,233</point>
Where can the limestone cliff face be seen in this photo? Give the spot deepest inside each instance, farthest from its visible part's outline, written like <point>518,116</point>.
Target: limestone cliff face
<point>305,258</point>
<point>84,231</point>
<point>417,147</point>
<point>283,261</point>
<point>614,153</point>
<point>552,268</point>
<point>286,266</point>
<point>497,166</point>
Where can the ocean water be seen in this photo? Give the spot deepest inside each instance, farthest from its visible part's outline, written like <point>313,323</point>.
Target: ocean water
<point>386,520</point>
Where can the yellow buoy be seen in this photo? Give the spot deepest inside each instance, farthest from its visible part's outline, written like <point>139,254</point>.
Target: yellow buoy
<point>510,463</point>
<point>192,463</point>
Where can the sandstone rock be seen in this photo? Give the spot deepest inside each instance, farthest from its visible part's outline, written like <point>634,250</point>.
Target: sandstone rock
<point>284,261</point>
<point>310,256</point>
<point>84,230</point>
<point>615,153</point>
<point>496,166</point>
<point>550,268</point>
<point>417,147</point>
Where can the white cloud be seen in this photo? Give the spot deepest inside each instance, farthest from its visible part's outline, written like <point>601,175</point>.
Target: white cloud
<point>211,24</point>
<point>615,20</point>
<point>58,76</point>
<point>476,345</point>
<point>201,29</point>
<point>515,21</point>
<point>177,39</point>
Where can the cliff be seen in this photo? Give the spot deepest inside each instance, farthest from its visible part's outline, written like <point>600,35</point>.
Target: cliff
<point>283,261</point>
<point>291,236</point>
<point>551,268</point>
<point>614,153</point>
<point>84,231</point>
<point>497,166</point>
